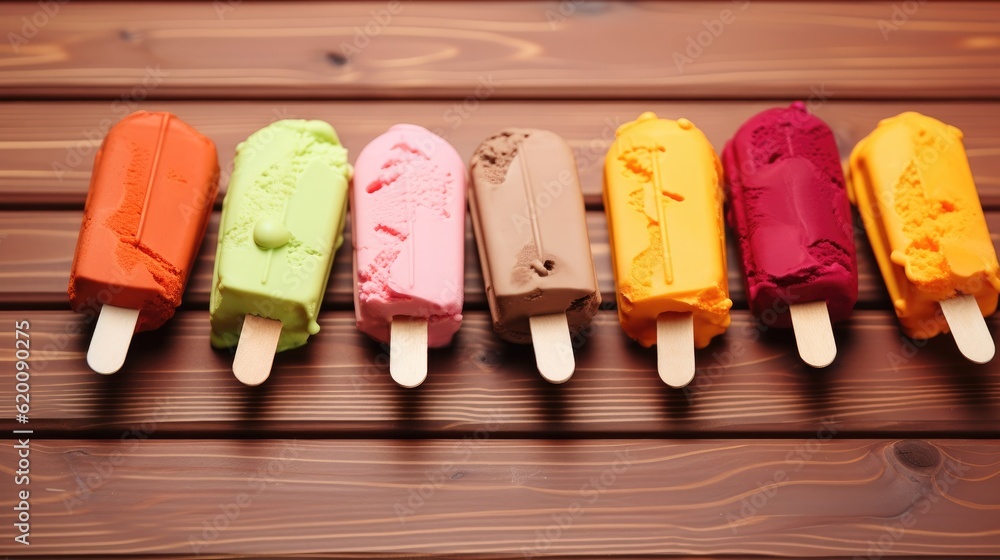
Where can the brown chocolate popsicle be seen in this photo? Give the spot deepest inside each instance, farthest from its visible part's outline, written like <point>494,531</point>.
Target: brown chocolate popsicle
<point>531,230</point>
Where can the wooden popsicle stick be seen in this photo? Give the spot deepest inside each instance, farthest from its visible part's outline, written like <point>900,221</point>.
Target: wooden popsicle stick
<point>675,348</point>
<point>814,333</point>
<point>553,346</point>
<point>112,337</point>
<point>408,351</point>
<point>255,352</point>
<point>968,327</point>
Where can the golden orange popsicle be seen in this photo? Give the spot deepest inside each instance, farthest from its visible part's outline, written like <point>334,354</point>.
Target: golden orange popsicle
<point>663,198</point>
<point>911,181</point>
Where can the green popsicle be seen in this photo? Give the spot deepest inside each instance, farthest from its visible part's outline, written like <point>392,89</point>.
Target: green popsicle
<point>282,222</point>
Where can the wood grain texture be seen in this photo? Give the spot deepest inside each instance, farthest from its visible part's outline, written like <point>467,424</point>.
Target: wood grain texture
<point>531,498</point>
<point>36,253</point>
<point>521,49</point>
<point>749,381</point>
<point>47,149</point>
<point>408,556</point>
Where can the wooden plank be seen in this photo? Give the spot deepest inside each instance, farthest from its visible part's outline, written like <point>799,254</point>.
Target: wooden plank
<point>408,556</point>
<point>36,252</point>
<point>47,149</point>
<point>725,49</point>
<point>805,497</point>
<point>749,381</point>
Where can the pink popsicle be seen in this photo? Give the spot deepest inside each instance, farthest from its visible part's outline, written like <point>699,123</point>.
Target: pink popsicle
<point>408,223</point>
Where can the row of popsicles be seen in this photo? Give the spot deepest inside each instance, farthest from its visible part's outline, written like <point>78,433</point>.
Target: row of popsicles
<point>155,180</point>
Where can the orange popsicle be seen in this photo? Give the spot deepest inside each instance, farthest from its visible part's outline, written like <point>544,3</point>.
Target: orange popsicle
<point>151,192</point>
<point>911,181</point>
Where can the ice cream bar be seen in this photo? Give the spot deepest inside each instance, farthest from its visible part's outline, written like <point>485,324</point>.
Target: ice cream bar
<point>663,198</point>
<point>282,222</point>
<point>788,206</point>
<point>911,181</point>
<point>408,223</point>
<point>151,192</point>
<point>534,248</point>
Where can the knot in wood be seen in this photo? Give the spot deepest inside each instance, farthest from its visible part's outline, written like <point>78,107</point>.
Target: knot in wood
<point>917,454</point>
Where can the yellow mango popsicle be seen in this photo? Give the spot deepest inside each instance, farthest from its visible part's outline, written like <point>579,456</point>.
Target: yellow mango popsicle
<point>911,181</point>
<point>663,198</point>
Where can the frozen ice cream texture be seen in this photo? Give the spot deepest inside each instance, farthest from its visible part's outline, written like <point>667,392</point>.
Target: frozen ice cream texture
<point>282,222</point>
<point>789,209</point>
<point>663,198</point>
<point>151,193</point>
<point>408,222</point>
<point>534,248</point>
<point>911,181</point>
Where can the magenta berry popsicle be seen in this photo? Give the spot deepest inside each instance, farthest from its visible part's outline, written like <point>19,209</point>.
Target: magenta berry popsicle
<point>789,208</point>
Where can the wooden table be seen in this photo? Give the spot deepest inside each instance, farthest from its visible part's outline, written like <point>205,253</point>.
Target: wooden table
<point>892,451</point>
